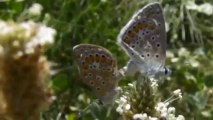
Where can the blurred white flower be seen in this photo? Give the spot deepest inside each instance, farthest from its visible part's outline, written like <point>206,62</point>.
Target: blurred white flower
<point>5,30</point>
<point>44,36</point>
<point>194,63</point>
<point>167,27</point>
<point>138,117</point>
<point>123,100</point>
<point>123,106</point>
<point>35,9</point>
<point>119,110</point>
<point>127,107</point>
<point>154,84</point>
<point>180,117</point>
<point>183,52</point>
<point>174,60</point>
<point>171,110</point>
<point>153,118</point>
<point>169,54</point>
<point>103,1</point>
<point>177,92</point>
<point>131,85</point>
<point>29,27</point>
<point>205,8</point>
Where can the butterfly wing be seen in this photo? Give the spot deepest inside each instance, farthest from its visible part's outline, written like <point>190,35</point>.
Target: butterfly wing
<point>146,34</point>
<point>98,69</point>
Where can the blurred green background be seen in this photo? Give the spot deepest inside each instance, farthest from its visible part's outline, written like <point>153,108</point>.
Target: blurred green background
<point>190,56</point>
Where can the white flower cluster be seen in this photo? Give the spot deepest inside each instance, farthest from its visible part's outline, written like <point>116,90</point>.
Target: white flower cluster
<point>154,84</point>
<point>162,107</point>
<point>45,35</point>
<point>143,116</point>
<point>184,53</point>
<point>35,9</point>
<point>26,34</point>
<point>123,105</point>
<point>206,8</point>
<point>169,112</point>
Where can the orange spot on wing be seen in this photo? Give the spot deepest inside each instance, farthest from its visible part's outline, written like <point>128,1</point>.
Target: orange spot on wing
<point>136,28</point>
<point>84,72</point>
<point>109,61</point>
<point>90,59</point>
<point>130,34</point>
<point>142,25</point>
<point>97,58</point>
<point>113,63</point>
<point>84,65</point>
<point>151,26</point>
<point>103,58</point>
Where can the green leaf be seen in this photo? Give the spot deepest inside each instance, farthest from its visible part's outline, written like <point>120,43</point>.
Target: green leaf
<point>70,116</point>
<point>208,80</point>
<point>60,82</point>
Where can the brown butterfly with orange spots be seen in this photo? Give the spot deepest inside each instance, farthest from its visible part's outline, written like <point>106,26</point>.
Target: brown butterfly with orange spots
<point>98,70</point>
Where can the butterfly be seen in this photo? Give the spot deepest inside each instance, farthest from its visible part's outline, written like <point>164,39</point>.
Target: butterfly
<point>143,38</point>
<point>98,70</point>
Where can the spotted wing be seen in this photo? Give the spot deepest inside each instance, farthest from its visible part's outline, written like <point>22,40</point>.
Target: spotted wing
<point>97,68</point>
<point>146,34</point>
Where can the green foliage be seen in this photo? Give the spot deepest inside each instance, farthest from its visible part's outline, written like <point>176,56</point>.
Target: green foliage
<point>98,22</point>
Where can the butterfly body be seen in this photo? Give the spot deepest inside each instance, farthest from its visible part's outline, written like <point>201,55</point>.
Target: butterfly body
<point>98,70</point>
<point>144,40</point>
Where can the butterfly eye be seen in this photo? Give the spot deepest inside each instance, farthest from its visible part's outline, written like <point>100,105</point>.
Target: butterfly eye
<point>159,24</point>
<point>166,71</point>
